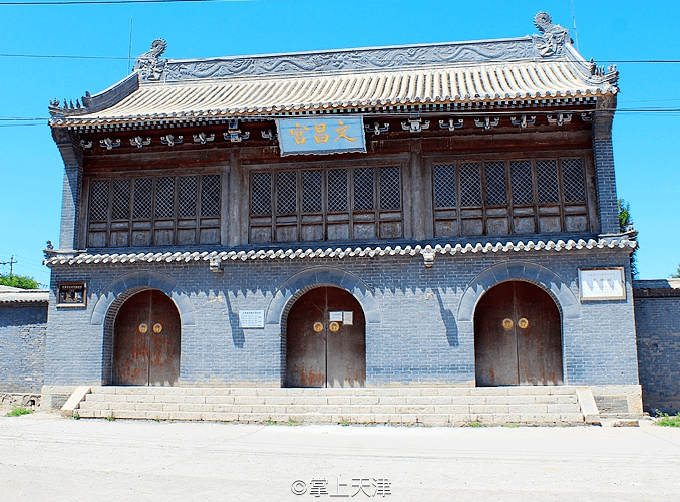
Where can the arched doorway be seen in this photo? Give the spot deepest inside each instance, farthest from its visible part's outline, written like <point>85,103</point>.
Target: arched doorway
<point>518,337</point>
<point>326,340</point>
<point>147,341</point>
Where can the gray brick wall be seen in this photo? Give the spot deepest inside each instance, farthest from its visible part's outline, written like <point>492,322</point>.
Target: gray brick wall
<point>23,328</point>
<point>419,339</point>
<point>657,311</point>
<point>606,186</point>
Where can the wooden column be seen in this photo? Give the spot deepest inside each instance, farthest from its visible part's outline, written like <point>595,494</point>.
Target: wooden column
<point>418,199</point>
<point>224,204</point>
<point>237,208</point>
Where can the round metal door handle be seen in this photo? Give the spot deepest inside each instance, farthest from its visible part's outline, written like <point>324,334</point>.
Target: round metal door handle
<point>143,328</point>
<point>507,323</point>
<point>334,326</point>
<point>523,323</point>
<point>157,328</point>
<point>318,327</point>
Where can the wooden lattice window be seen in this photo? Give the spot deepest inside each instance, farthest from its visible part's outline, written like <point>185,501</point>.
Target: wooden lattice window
<point>139,212</point>
<point>523,196</point>
<point>326,204</point>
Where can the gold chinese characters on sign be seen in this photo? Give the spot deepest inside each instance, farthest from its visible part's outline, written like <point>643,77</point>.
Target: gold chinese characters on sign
<point>321,135</point>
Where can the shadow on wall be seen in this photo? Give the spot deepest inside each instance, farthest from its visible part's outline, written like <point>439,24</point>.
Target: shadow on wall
<point>449,321</point>
<point>237,334</point>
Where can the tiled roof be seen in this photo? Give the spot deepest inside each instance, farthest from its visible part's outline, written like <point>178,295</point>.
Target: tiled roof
<point>427,252</point>
<point>9,294</point>
<point>528,68</point>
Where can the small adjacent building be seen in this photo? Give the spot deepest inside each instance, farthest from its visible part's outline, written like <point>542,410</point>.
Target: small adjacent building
<point>23,328</point>
<point>423,215</point>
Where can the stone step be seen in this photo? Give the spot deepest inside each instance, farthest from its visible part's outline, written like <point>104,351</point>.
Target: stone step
<point>427,405</point>
<point>348,418</point>
<point>333,400</point>
<point>303,408</point>
<point>372,391</point>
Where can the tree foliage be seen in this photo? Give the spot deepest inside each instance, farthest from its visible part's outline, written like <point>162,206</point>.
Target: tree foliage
<point>18,281</point>
<point>626,221</point>
<point>624,215</point>
<point>676,274</point>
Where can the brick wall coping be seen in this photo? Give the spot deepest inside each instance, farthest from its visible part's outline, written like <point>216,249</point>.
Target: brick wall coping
<point>656,288</point>
<point>9,294</point>
<point>427,252</point>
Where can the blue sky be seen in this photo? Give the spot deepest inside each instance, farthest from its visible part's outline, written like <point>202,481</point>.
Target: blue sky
<point>646,144</point>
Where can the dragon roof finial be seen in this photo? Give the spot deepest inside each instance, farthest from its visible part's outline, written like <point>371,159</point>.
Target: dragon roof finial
<point>553,36</point>
<point>149,65</point>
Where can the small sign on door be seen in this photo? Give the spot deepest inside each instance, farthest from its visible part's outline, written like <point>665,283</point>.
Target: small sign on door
<point>348,318</point>
<point>335,316</point>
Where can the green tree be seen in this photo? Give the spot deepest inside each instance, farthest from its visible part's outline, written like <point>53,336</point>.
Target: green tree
<point>625,221</point>
<point>18,281</point>
<point>676,274</point>
<point>624,215</point>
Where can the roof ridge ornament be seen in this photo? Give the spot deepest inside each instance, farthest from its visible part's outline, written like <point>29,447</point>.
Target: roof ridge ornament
<point>553,37</point>
<point>149,65</point>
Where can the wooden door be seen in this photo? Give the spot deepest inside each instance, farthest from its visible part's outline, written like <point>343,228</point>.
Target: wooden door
<point>321,351</point>
<point>517,337</point>
<point>147,341</point>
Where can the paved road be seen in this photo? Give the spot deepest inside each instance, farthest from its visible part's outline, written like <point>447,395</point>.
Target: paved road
<point>43,457</point>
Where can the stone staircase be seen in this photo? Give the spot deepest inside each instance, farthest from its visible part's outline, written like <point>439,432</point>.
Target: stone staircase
<point>399,406</point>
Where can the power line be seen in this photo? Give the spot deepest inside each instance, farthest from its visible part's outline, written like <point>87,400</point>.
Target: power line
<point>11,263</point>
<point>118,58</point>
<point>58,56</point>
<point>116,2</point>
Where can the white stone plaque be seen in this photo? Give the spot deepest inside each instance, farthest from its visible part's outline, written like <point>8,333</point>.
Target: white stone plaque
<point>348,318</point>
<point>251,318</point>
<point>602,284</point>
<point>335,316</point>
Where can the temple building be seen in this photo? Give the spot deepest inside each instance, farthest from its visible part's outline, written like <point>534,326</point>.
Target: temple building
<point>422,216</point>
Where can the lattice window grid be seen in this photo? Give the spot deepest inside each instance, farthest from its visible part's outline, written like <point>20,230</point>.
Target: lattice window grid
<point>261,194</point>
<point>548,183</point>
<point>390,188</point>
<point>99,200</point>
<point>188,191</point>
<point>165,198</point>
<point>494,178</point>
<point>444,186</point>
<point>363,189</point>
<point>210,196</point>
<point>120,202</point>
<point>311,192</point>
<point>286,193</point>
<point>470,186</point>
<point>522,183</point>
<point>572,179</point>
<point>141,199</point>
<point>337,190</point>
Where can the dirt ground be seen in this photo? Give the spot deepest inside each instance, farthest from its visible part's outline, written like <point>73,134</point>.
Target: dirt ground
<point>45,457</point>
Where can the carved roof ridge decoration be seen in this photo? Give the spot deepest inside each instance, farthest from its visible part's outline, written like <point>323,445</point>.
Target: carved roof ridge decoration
<point>531,67</point>
<point>84,258</point>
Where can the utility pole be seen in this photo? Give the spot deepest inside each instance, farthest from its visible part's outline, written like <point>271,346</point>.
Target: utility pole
<point>11,262</point>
